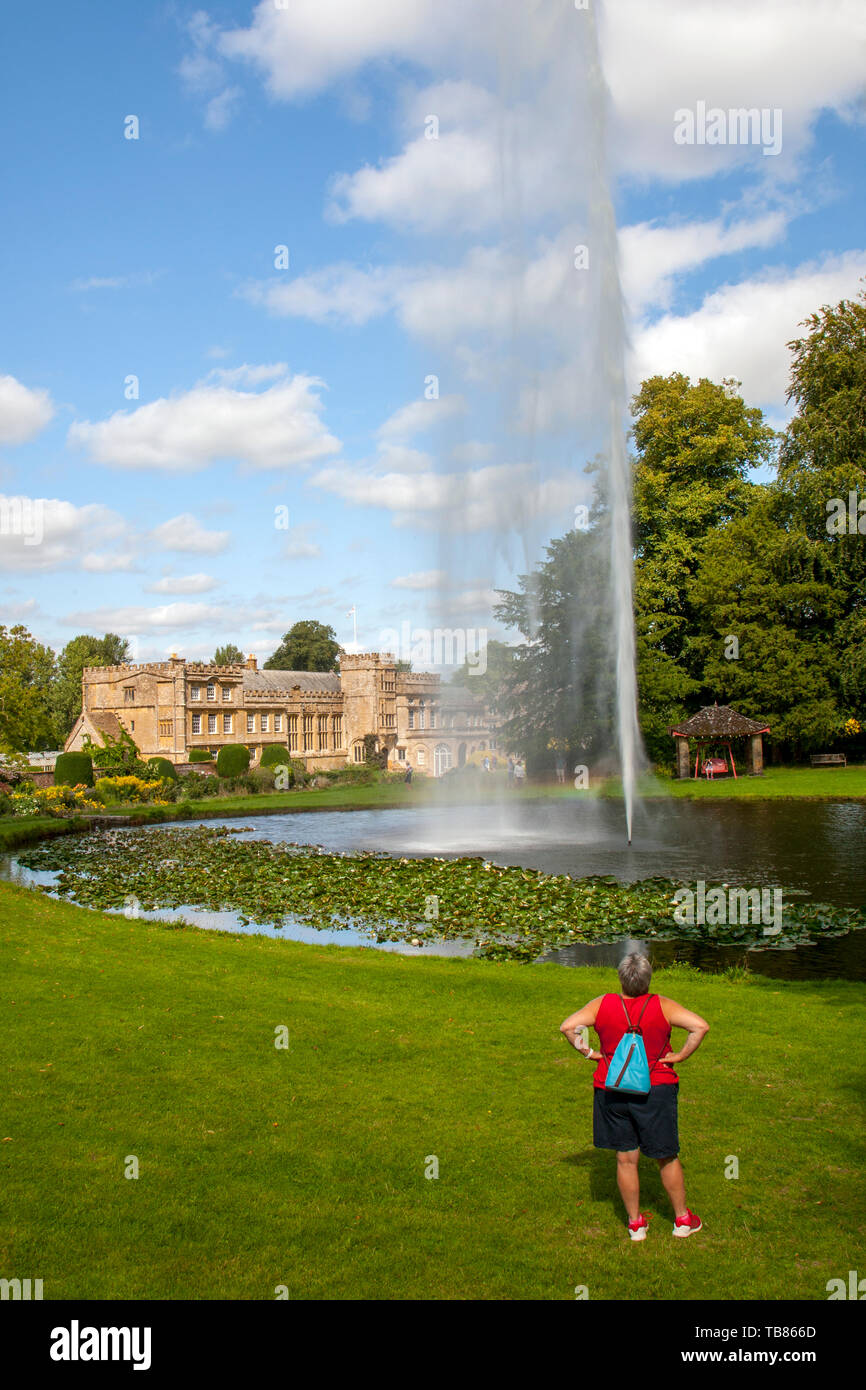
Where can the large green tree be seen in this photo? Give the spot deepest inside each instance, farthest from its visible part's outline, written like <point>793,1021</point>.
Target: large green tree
<point>83,650</point>
<point>695,445</point>
<point>307,646</point>
<point>559,683</point>
<point>694,448</point>
<point>26,676</point>
<point>822,468</point>
<point>768,606</point>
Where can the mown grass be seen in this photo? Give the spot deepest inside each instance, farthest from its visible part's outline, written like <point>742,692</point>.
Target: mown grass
<point>262,1167</point>
<point>16,831</point>
<point>819,783</point>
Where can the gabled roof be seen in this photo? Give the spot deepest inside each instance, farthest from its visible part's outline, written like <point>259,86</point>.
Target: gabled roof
<point>718,721</point>
<point>99,721</point>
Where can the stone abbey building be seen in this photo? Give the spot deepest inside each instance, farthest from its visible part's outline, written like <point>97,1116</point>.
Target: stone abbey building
<point>173,706</point>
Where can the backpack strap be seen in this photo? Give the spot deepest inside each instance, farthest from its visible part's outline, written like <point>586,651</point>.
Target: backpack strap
<point>634,1027</point>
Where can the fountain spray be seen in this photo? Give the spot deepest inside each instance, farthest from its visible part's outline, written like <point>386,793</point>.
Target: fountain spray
<point>612,344</point>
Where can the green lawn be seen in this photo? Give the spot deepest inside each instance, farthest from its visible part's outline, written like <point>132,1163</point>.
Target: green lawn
<point>822,783</point>
<point>305,1168</point>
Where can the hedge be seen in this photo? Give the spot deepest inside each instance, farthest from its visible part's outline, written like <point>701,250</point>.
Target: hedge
<point>274,756</point>
<point>233,760</point>
<point>164,767</point>
<point>73,770</point>
<point>199,755</point>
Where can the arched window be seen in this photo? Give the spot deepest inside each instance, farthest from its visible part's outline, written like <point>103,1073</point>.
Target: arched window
<point>441,759</point>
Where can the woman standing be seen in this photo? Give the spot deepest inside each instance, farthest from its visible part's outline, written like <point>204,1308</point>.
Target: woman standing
<point>632,1123</point>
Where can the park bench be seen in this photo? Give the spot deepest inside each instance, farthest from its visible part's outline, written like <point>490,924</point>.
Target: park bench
<point>829,760</point>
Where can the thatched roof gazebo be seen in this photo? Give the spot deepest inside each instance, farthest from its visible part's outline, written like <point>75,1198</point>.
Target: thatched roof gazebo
<point>719,724</point>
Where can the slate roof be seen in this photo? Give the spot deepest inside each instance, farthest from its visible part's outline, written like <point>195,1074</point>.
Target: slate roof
<point>278,681</point>
<point>105,722</point>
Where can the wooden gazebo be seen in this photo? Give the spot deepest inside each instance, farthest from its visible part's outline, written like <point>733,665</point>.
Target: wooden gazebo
<point>719,724</point>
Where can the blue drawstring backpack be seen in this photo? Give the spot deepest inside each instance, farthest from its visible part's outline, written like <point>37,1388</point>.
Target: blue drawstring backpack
<point>628,1069</point>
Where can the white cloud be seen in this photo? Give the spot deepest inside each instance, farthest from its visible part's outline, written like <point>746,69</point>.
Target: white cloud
<point>423,579</point>
<point>653,255</point>
<point>801,57</point>
<point>183,584</point>
<point>280,427</point>
<point>339,293</point>
<point>742,330</point>
<point>100,563</point>
<point>117,282</point>
<point>449,183</point>
<point>24,411</point>
<point>50,534</point>
<point>795,55</point>
<point>504,496</point>
<point>311,43</point>
<point>220,109</point>
<point>185,534</point>
<point>298,543</point>
<point>203,72</point>
<point>402,458</point>
<point>245,374</point>
<point>491,290</point>
<point>420,416</point>
<point>473,451</point>
<point>138,619</point>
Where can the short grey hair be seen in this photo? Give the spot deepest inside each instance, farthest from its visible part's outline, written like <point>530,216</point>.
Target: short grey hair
<point>635,972</point>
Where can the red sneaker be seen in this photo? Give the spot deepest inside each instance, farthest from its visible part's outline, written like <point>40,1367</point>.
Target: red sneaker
<point>688,1224</point>
<point>638,1229</point>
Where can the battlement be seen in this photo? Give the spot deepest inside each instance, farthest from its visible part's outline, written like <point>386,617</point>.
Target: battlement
<point>123,672</point>
<point>294,692</point>
<point>169,668</point>
<point>360,660</point>
<point>418,678</point>
<point>207,668</point>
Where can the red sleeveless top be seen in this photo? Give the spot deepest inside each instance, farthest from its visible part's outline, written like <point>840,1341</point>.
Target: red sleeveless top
<point>610,1025</point>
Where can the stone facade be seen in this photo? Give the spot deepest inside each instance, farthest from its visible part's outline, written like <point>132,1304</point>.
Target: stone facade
<point>173,706</point>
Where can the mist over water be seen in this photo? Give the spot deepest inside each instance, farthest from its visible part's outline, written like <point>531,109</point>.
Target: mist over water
<point>527,342</point>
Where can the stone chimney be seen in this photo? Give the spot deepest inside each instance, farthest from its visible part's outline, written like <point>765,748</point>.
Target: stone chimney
<point>252,664</point>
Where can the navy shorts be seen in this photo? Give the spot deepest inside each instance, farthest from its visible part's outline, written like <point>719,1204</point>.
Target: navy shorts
<point>648,1123</point>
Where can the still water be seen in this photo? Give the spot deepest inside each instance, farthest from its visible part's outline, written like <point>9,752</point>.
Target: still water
<point>818,847</point>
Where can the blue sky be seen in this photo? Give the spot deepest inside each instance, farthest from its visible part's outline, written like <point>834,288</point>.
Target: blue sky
<point>303,388</point>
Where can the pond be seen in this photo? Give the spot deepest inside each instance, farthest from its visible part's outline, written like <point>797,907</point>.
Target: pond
<point>818,848</point>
